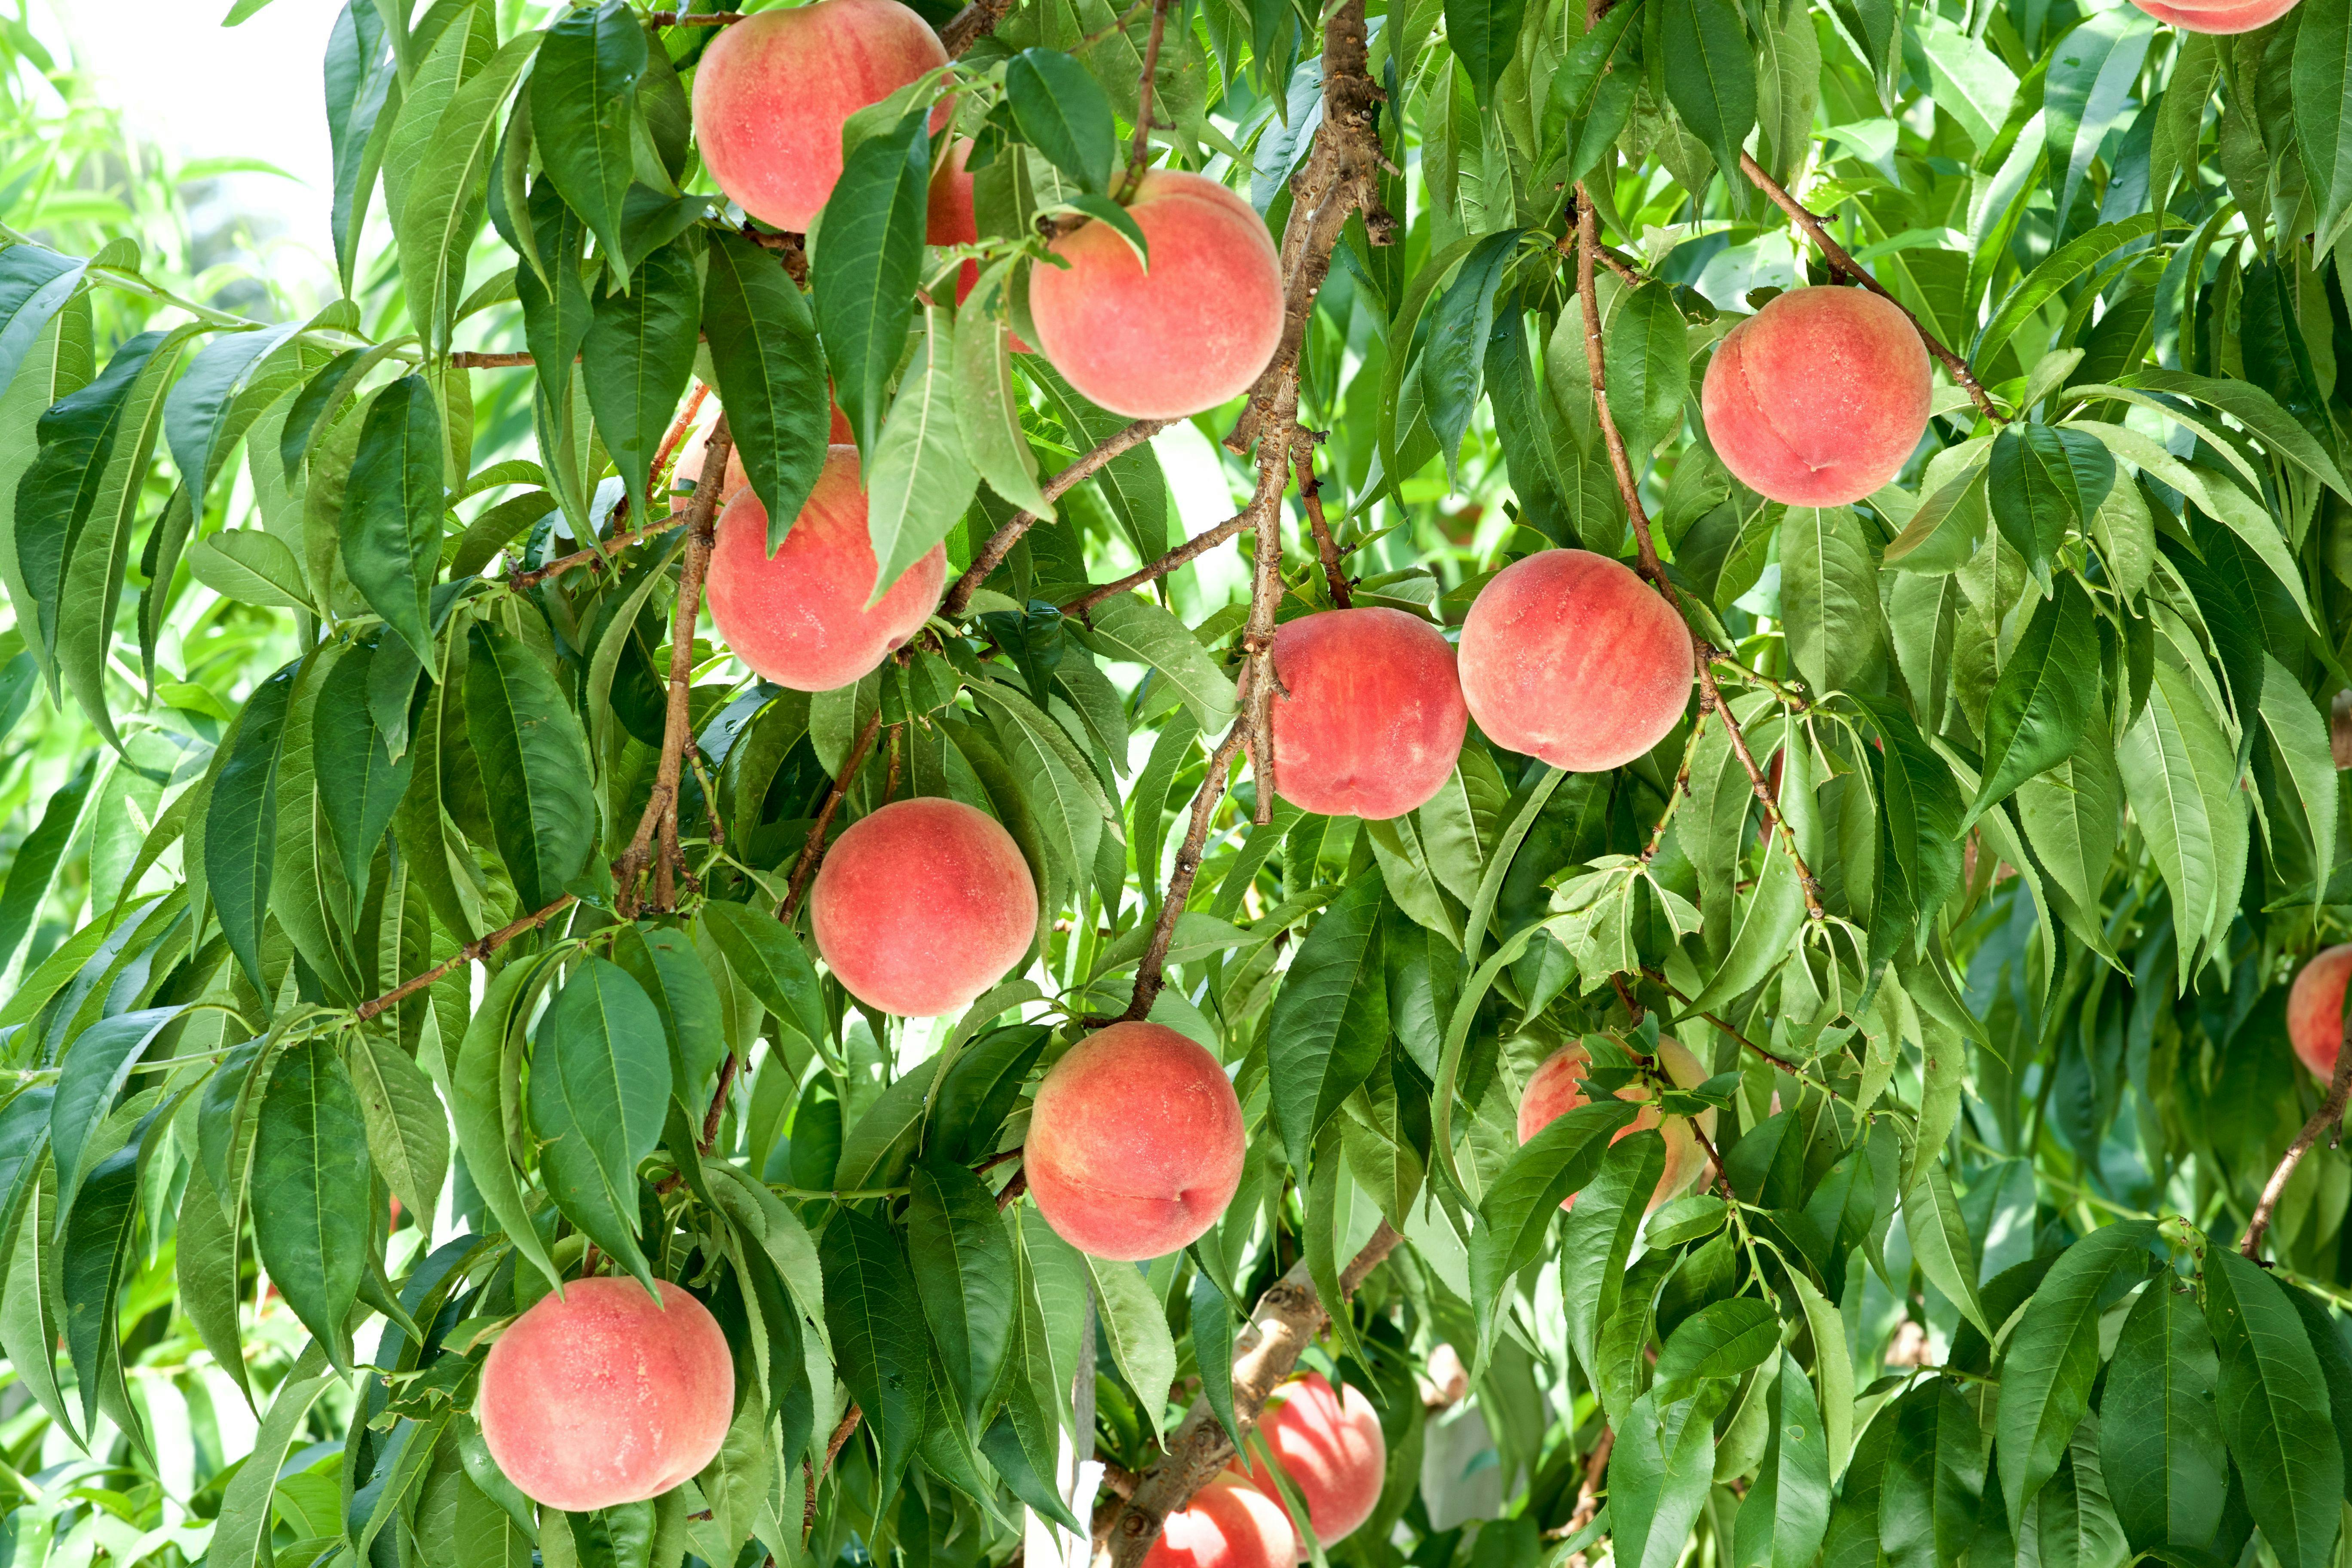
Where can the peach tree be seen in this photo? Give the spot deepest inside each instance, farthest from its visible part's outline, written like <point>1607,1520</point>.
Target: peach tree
<point>1429,781</point>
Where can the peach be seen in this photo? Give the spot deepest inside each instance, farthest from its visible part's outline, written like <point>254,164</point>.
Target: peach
<point>599,1396</point>
<point>1570,658</point>
<point>1819,397</point>
<point>1134,1143</point>
<point>774,89</point>
<point>688,472</point>
<point>1193,331</point>
<point>1226,1525</point>
<point>951,221</point>
<point>1368,717</point>
<point>2315,1010</point>
<point>1557,1087</point>
<point>2226,16</point>
<point>799,616</point>
<point>1330,1446</point>
<point>921,906</point>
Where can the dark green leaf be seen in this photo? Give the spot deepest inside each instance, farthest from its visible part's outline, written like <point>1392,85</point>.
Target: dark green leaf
<point>1722,1339</point>
<point>771,375</point>
<point>1484,35</point>
<point>1329,1020</point>
<point>764,956</point>
<point>599,1092</point>
<point>1598,1237</point>
<point>964,1275</point>
<point>360,784</point>
<point>2052,1357</point>
<point>2272,1401</point>
<point>311,1180</point>
<point>584,111</point>
<point>97,1238</point>
<point>1451,366</point>
<point>2042,703</point>
<point>1785,1514</point>
<point>882,1351</point>
<point>360,75</point>
<point>543,807</point>
<point>637,357</point>
<point>391,523</point>
<point>2042,482</point>
<point>1060,110</point>
<point>97,1064</point>
<point>2160,1445</point>
<point>241,822</point>
<point>1710,71</point>
<point>866,272</point>
<point>662,960</point>
<point>1647,365</point>
<point>1516,1212</point>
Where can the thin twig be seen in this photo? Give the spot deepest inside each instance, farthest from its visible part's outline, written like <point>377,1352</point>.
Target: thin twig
<point>1139,153</point>
<point>673,441</point>
<point>2330,1111</point>
<point>692,18</point>
<point>1310,494</point>
<point>1840,262</point>
<point>473,952</point>
<point>1588,1494</point>
<point>814,850</point>
<point>1711,700</point>
<point>1150,976</point>
<point>831,1451</point>
<point>1199,544</point>
<point>971,24</point>
<point>1714,1160</point>
<point>476,359</point>
<point>1783,1063</point>
<point>1000,543</point>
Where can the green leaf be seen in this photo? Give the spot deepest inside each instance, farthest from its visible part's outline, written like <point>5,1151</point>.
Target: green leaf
<point>2305,766</point>
<point>1136,1330</point>
<point>206,1269</point>
<point>771,374</point>
<point>251,567</point>
<point>241,822</point>
<point>543,807</point>
<point>1516,1212</point>
<point>2043,480</point>
<point>408,1131</point>
<point>2180,774</point>
<point>2062,267</point>
<point>34,282</point>
<point>1591,94</point>
<point>583,113</point>
<point>637,357</point>
<point>599,1092</point>
<point>1769,919</point>
<point>918,481</point>
<point>2160,1445</point>
<point>2094,71</point>
<point>963,1271</point>
<point>1212,1341</point>
<point>1829,597</point>
<point>391,524</point>
<point>2042,703</point>
<point>988,404</point>
<point>2323,112</point>
<point>1129,627</point>
<point>1934,1481</point>
<point>867,267</point>
<point>2254,408</point>
<point>1711,76</point>
<point>1647,365</point>
<point>1939,1241</point>
<point>482,1085</point>
<point>226,385</point>
<point>1919,814</point>
<point>1659,1475</point>
<point>360,784</point>
<point>311,1184</point>
<point>2272,1398</point>
<point>1330,1022</point>
<point>361,77</point>
<point>1723,1338</point>
<point>1598,1237</point>
<point>884,1356</point>
<point>664,962</point>
<point>241,1530</point>
<point>23,1139</point>
<point>1484,36</point>
<point>1059,109</point>
<point>764,954</point>
<point>97,1064</point>
<point>1782,1520</point>
<point>97,1238</point>
<point>446,194</point>
<point>2053,1356</point>
<point>1452,365</point>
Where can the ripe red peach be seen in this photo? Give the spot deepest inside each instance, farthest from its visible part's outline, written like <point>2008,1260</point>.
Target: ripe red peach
<point>923,905</point>
<point>799,616</point>
<point>1193,331</point>
<point>598,1396</point>
<point>773,90</point>
<point>1227,1524</point>
<point>1368,717</point>
<point>1819,397</point>
<point>1330,1446</point>
<point>2315,1010</point>
<point>2217,15</point>
<point>1134,1143</point>
<point>1557,1087</point>
<point>1570,658</point>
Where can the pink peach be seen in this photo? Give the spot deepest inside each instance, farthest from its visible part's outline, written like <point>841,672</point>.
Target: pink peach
<point>1134,1143</point>
<point>1226,1525</point>
<point>923,905</point>
<point>2205,17</point>
<point>1570,658</point>
<point>598,1396</point>
<point>799,616</point>
<point>1193,331</point>
<point>1330,1446</point>
<point>1557,1087</point>
<point>2315,1010</point>
<point>1368,715</point>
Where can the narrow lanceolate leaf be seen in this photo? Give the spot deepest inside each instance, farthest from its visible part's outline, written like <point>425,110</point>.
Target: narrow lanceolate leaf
<point>1722,1339</point>
<point>204,1266</point>
<point>241,822</point>
<point>360,784</point>
<point>664,961</point>
<point>1660,1473</point>
<point>764,956</point>
<point>448,190</point>
<point>1939,1240</point>
<point>771,374</point>
<point>1484,36</point>
<point>96,1066</point>
<point>1331,1018</point>
<point>1126,627</point>
<point>599,1091</point>
<point>241,1530</point>
<point>2305,766</point>
<point>2180,774</point>
<point>1785,1514</point>
<point>1129,1318</point>
<point>1829,595</point>
<point>637,357</point>
<point>1453,366</point>
<point>35,868</point>
<point>477,1105</point>
<point>2272,1397</point>
<point>2160,1445</point>
<point>1647,369</point>
<point>883,1354</point>
<point>1061,112</point>
<point>2053,1356</point>
<point>97,1239</point>
<point>34,281</point>
<point>1710,71</point>
<point>2323,112</point>
<point>2042,482</point>
<point>23,1139</point>
<point>963,1275</point>
<point>210,407</point>
<point>584,111</point>
<point>391,523</point>
<point>2042,703</point>
<point>310,1193</point>
<point>362,78</point>
<point>1598,1237</point>
<point>1212,1341</point>
<point>1518,1210</point>
<point>543,808</point>
<point>918,481</point>
<point>1919,814</point>
<point>987,404</point>
<point>865,271</point>
<point>407,1132</point>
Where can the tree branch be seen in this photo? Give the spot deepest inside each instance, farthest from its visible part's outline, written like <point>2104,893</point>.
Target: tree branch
<point>1287,1320</point>
<point>1150,976</point>
<point>814,850</point>
<point>473,952</point>
<point>1000,543</point>
<point>475,358</point>
<point>595,558</point>
<point>971,24</point>
<point>1847,266</point>
<point>1139,153</point>
<point>2330,1111</point>
<point>1310,494</point>
<point>833,1445</point>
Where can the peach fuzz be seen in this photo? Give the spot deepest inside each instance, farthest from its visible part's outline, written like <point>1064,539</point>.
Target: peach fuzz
<point>2315,1010</point>
<point>2206,16</point>
<point>1819,397</point>
<point>1226,1525</point>
<point>1557,1087</point>
<point>773,90</point>
<point>1330,1446</point>
<point>1193,331</point>
<point>921,906</point>
<point>1570,658</point>
<point>1373,718</point>
<point>1134,1143</point>
<point>799,616</point>
<point>598,1396</point>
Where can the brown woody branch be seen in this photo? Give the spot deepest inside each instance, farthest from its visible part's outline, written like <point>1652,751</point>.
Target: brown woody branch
<point>1287,1320</point>
<point>1588,1494</point>
<point>1310,494</point>
<point>1139,153</point>
<point>1000,543</point>
<point>660,817</point>
<point>476,359</point>
<point>814,850</point>
<point>1199,544</point>
<point>833,1445</point>
<point>2330,1111</point>
<point>597,557</point>
<point>473,952</point>
<point>1150,974</point>
<point>1847,266</point>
